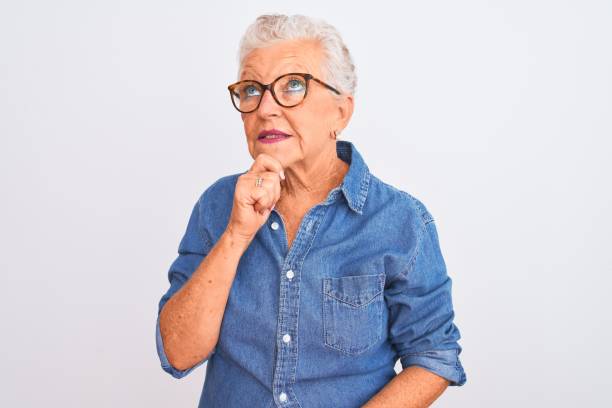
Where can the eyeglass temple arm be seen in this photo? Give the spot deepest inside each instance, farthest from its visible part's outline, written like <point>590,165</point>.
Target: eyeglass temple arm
<point>327,86</point>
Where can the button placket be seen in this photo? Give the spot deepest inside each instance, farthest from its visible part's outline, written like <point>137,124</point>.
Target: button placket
<point>286,357</point>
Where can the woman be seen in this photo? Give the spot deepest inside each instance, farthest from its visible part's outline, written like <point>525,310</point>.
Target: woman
<point>304,279</point>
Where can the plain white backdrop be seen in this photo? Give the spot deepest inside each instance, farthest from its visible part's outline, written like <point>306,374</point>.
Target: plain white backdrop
<point>114,117</point>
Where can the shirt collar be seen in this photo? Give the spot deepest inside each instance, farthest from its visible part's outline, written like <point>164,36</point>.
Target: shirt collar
<point>357,178</point>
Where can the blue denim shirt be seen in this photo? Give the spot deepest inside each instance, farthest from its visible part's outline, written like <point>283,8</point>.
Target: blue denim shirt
<point>322,324</point>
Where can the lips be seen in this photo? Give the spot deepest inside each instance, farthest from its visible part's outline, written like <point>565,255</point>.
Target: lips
<point>272,134</point>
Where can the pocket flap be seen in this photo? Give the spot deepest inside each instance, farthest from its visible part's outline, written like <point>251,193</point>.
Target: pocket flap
<point>356,290</point>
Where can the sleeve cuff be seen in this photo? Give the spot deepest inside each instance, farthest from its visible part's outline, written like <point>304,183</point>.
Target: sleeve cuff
<point>165,364</point>
<point>444,363</point>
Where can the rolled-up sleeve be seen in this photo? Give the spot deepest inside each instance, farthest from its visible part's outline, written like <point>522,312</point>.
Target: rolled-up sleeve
<point>421,327</point>
<point>193,248</point>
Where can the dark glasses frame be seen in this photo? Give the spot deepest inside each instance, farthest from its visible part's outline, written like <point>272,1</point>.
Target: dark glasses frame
<point>270,87</point>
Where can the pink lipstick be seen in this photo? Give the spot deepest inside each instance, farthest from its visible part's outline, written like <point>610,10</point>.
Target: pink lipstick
<point>272,136</point>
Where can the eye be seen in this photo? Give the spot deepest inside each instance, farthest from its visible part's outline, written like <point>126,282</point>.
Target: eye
<point>250,90</point>
<point>295,85</point>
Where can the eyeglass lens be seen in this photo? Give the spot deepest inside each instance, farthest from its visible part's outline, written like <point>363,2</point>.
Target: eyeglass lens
<point>288,89</point>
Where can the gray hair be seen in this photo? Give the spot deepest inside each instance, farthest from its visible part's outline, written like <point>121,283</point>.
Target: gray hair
<point>268,29</point>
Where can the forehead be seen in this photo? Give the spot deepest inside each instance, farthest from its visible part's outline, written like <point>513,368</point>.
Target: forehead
<point>268,63</point>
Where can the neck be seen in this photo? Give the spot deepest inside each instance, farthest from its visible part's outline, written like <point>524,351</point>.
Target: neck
<point>306,182</point>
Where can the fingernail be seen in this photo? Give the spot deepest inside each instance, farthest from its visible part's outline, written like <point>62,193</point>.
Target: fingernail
<point>282,174</point>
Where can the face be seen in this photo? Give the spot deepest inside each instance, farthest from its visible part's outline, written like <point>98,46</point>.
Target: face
<point>309,124</point>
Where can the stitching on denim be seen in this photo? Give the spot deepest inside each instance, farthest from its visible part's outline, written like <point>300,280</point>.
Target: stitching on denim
<point>345,147</point>
<point>363,192</point>
<point>362,350</point>
<point>352,354</point>
<point>417,252</point>
<point>456,366</point>
<point>426,353</point>
<point>459,368</point>
<point>426,216</point>
<point>325,302</point>
<point>331,290</point>
<point>359,351</point>
<point>346,302</point>
<point>324,211</point>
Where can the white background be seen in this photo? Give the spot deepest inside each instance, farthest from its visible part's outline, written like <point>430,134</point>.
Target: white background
<point>114,117</point>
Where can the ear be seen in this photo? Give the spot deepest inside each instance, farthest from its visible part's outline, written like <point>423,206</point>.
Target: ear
<point>345,111</point>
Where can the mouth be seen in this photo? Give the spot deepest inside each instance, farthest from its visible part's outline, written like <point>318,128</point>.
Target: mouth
<point>272,135</point>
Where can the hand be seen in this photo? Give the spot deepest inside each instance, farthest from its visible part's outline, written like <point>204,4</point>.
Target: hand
<point>252,204</point>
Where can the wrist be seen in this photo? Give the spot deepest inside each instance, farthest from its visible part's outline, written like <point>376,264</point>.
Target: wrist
<point>236,239</point>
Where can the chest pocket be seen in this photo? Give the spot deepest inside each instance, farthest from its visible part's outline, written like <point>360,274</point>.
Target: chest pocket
<point>352,312</point>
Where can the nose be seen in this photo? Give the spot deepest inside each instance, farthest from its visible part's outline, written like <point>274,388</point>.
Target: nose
<point>268,105</point>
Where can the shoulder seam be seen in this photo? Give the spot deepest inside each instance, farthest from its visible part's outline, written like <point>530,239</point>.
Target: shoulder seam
<point>425,218</point>
<point>425,215</point>
<point>414,257</point>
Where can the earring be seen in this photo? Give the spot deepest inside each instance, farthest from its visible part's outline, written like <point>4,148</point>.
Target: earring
<point>335,134</point>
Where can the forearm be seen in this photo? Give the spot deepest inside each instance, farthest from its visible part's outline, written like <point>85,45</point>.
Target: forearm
<point>414,387</point>
<point>190,321</point>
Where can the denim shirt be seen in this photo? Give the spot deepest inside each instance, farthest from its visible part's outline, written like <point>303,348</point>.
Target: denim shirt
<point>322,323</point>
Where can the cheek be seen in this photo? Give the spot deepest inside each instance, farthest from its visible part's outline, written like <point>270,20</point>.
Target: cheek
<point>316,114</point>
<point>249,124</point>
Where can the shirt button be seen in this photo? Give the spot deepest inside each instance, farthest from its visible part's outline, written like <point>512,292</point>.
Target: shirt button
<point>286,338</point>
<point>274,225</point>
<point>282,397</point>
<point>290,274</point>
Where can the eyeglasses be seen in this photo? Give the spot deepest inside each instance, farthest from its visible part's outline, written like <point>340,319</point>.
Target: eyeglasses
<point>288,90</point>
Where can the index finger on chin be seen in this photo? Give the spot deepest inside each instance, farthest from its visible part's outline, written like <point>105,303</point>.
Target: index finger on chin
<point>265,162</point>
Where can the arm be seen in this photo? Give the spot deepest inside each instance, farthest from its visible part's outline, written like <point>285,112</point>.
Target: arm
<point>421,327</point>
<point>414,387</point>
<point>191,312</point>
<point>190,321</point>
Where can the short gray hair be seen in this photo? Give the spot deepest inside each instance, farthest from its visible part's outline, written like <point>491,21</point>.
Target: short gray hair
<point>268,29</point>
